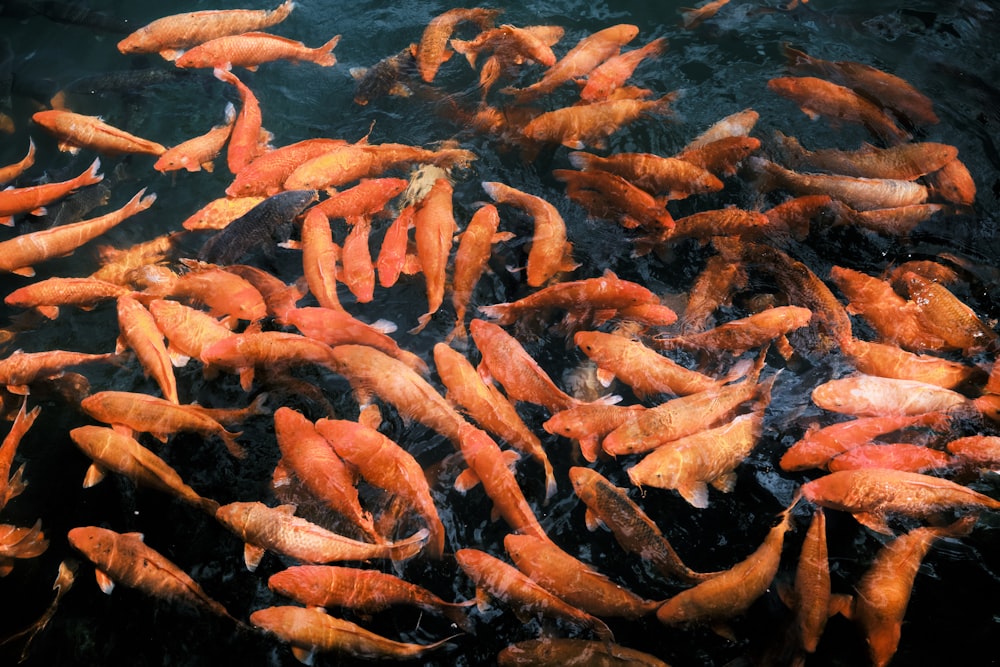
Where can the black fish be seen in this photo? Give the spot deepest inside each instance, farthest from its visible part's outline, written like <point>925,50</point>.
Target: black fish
<point>73,13</point>
<point>384,77</point>
<point>268,221</point>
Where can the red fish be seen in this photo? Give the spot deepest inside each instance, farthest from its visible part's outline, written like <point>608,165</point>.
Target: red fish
<point>75,131</point>
<point>248,139</point>
<point>392,255</point>
<point>14,201</point>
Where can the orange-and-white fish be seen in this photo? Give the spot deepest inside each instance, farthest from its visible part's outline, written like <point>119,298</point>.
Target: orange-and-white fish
<point>218,213</point>
<point>170,35</point>
<point>198,152</point>
<point>14,201</point>
<point>891,361</point>
<point>905,161</point>
<point>138,332</point>
<point>873,396</point>
<point>251,49</point>
<point>75,131</point>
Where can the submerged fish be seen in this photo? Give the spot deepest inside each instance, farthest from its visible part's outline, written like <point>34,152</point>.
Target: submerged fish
<point>271,219</point>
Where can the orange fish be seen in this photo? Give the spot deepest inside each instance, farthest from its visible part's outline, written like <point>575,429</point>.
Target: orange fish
<point>692,18</point>
<point>945,315</point>
<point>611,507</point>
<point>358,272</point>
<point>432,51</point>
<point>19,254</point>
<point>248,139</point>
<point>245,352</point>
<point>895,221</point>
<point>18,542</point>
<point>76,131</point>
<point>46,296</point>
<point>434,227</point>
<point>266,528</point>
<point>312,631</point>
<point>738,336</point>
<point>119,453</point>
<point>892,362</point>
<point>710,456</point>
<point>149,414</point>
<point>721,157</point>
<point>386,465</point>
<point>312,459</point>
<point>575,582</point>
<point>169,35</point>
<point>979,450</point>
<point>505,582</point>
<point>188,331</point>
<point>621,195</point>
<point>140,333</point>
<point>730,593</point>
<point>123,558</point>
<point>561,651</point>
<point>474,251</point>
<point>794,217</point>
<point>279,297</point>
<point>819,97</point>
<point>12,171</point>
<point>672,177</point>
<point>904,162</point>
<point>320,256</point>
<point>589,423</point>
<point>712,288</point>
<point>489,408</point>
<point>392,254</point>
<point>11,486</point>
<point>20,369</point>
<point>588,53</point>
<point>361,590</point>
<point>872,396</point>
<point>614,71</point>
<point>223,292</point>
<point>218,213</point>
<point>897,456</point>
<point>198,152</point>
<point>872,494</point>
<point>266,174</point>
<point>368,198</point>
<point>954,183</point>
<point>251,49</point>
<point>14,201</point>
<point>738,124</point>
<point>590,124</point>
<point>512,45</point>
<point>119,265</point>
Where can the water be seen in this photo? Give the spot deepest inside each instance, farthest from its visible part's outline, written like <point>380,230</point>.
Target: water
<point>946,51</point>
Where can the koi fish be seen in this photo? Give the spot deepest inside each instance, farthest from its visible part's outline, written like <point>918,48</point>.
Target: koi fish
<point>386,465</point>
<point>954,183</point>
<point>363,591</point>
<point>611,507</point>
<point>366,199</point>
<point>118,265</point>
<point>12,171</point>
<point>123,558</point>
<point>252,49</point>
<point>432,51</point>
<point>279,297</point>
<point>589,423</point>
<point>434,226</point>
<point>561,651</point>
<point>712,288</point>
<point>218,213</point>
<point>384,77</point>
<point>75,131</point>
<point>11,486</point>
<point>635,204</point>
<point>265,175</point>
<point>904,162</point>
<point>897,456</point>
<point>248,139</point>
<point>270,219</point>
<point>979,450</point>
<point>892,362</point>
<point>721,157</point>
<point>591,124</point>
<point>505,582</point>
<point>47,296</point>
<point>392,256</point>
<point>473,253</point>
<point>946,316</point>
<point>198,152</point>
<point>614,71</point>
<point>311,631</point>
<point>895,221</point>
<point>14,201</point>
<point>189,332</point>
<point>675,178</point>
<point>243,353</point>
<point>224,293</point>
<point>266,528</point>
<point>738,336</point>
<point>872,396</point>
<point>575,582</point>
<point>872,494</point>
<point>140,334</point>
<point>149,414</point>
<point>169,35</point>
<point>110,450</point>
<point>20,369</point>
<point>18,542</point>
<point>511,44</point>
<point>691,18</point>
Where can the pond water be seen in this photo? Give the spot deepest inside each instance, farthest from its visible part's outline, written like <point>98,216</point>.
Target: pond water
<point>946,50</point>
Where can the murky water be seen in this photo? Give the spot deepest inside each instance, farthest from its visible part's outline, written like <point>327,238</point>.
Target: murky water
<point>947,50</point>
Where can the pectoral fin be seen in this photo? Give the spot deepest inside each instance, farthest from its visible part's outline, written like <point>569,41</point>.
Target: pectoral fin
<point>252,556</point>
<point>874,522</point>
<point>695,493</point>
<point>104,582</point>
<point>466,480</point>
<point>94,475</point>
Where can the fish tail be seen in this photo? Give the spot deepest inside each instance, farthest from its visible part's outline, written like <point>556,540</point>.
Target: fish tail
<point>500,313</point>
<point>322,55</point>
<point>456,613</point>
<point>90,177</point>
<point>235,448</point>
<point>412,545</point>
<point>281,12</point>
<point>462,46</point>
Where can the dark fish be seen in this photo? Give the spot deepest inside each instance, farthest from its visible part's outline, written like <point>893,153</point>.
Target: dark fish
<point>384,77</point>
<point>6,84</point>
<point>72,13</point>
<point>270,219</point>
<point>130,82</point>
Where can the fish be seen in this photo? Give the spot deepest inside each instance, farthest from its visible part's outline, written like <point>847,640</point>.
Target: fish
<point>589,423</point>
<point>578,127</point>
<point>903,162</point>
<point>818,97</point>
<point>721,157</point>
<point>488,407</point>
<point>954,183</point>
<point>674,178</point>
<point>873,396</point>
<point>311,631</point>
<point>512,45</point>
<point>553,651</point>
<point>20,543</point>
<point>434,228</point>
<point>978,450</point>
<point>738,124</point>
<point>14,201</point>
<point>218,213</point>
<point>20,369</point>
<point>473,253</point>
<point>273,350</point>
<point>313,460</point>
<point>691,18</point>
<point>709,456</point>
<point>712,288</point>
<point>320,256</point>
<point>170,35</point>
<point>884,590</point>
<point>505,582</point>
<point>550,251</point>
<point>588,53</point>
<point>12,486</point>
<point>703,225</point>
<point>63,583</point>
<point>891,361</point>
<point>873,495</point>
<point>224,293</point>
<point>279,297</point>
<point>189,332</point>
<point>270,219</point>
<point>75,131</point>
<point>491,466</point>
<point>730,593</point>
<point>897,456</point>
<point>19,254</point>
<point>943,314</point>
<point>198,152</point>
<point>248,139</point>
<point>138,332</point>
<point>738,336</point>
<point>252,49</point>
<point>635,204</point>
<point>572,580</point>
<point>161,418</point>
<point>367,199</point>
<point>47,296</point>
<point>266,528</point>
<point>610,506</point>
<point>432,51</point>
<point>118,265</point>
<point>384,77</point>
<point>614,71</point>
<point>120,453</point>
<point>894,221</point>
<point>361,590</point>
<point>265,175</point>
<point>10,172</point>
<point>386,465</point>
<point>391,261</point>
<point>123,558</point>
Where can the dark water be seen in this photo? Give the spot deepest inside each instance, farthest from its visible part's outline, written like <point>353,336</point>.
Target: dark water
<point>947,50</point>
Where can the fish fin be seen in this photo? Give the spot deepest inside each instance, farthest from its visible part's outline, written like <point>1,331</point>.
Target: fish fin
<point>841,603</point>
<point>695,493</point>
<point>605,377</point>
<point>287,508</point>
<point>592,521</point>
<point>252,556</point>
<point>500,237</point>
<point>208,166</point>
<point>384,326</point>
<point>786,593</point>
<point>19,389</point>
<point>724,630</point>
<point>234,448</point>
<point>7,220</point>
<point>246,378</point>
<point>304,655</point>
<point>94,475</point>
<point>15,486</point>
<point>104,582</point>
<point>371,416</point>
<point>725,483</point>
<point>874,522</point>
<point>171,54</point>
<point>25,271</point>
<point>589,447</point>
<point>67,147</point>
<point>357,73</point>
<point>177,359</point>
<point>51,312</point>
<point>122,429</point>
<point>813,115</point>
<point>510,458</point>
<point>466,480</point>
<point>39,212</point>
<point>482,599</point>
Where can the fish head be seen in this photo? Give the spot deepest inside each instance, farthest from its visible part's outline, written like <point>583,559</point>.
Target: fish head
<point>92,541</point>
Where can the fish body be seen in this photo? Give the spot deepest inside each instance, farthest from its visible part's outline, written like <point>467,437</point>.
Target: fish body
<point>904,162</point>
<point>392,255</point>
<point>434,226</point>
<point>555,652</point>
<point>169,35</point>
<point>251,49</point>
<point>245,352</point>
<point>738,336</point>
<point>366,199</point>
<point>248,139</point>
<point>265,175</point>
<point>891,361</point>
<point>320,256</point>
<point>633,202</point>
<point>123,558</point>
<point>48,295</point>
<point>198,152</point>
<point>721,157</point>
<point>954,183</point>
<point>811,599</point>
<point>978,450</point>
<point>873,396</point>
<point>140,333</point>
<point>384,77</point>
<point>946,316</point>
<point>218,213</point>
<point>738,124</point>
<point>279,297</point>
<point>471,257</point>
<point>675,178</point>
<point>712,288</point>
<point>20,369</point>
<point>14,201</point>
<point>589,423</point>
<point>223,292</point>
<point>270,219</point>
<point>149,414</point>
<point>591,124</point>
<point>386,465</point>
<point>613,72</point>
<point>897,456</point>
<point>118,265</point>
<point>188,331</point>
<point>512,45</point>
<point>276,529</point>
<point>75,131</point>
<point>17,542</point>
<point>113,451</point>
<point>432,50</point>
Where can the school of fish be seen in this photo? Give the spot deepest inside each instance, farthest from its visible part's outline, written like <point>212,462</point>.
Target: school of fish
<point>382,438</point>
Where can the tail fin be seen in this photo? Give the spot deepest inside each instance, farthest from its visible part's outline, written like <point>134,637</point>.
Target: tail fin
<point>323,55</point>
